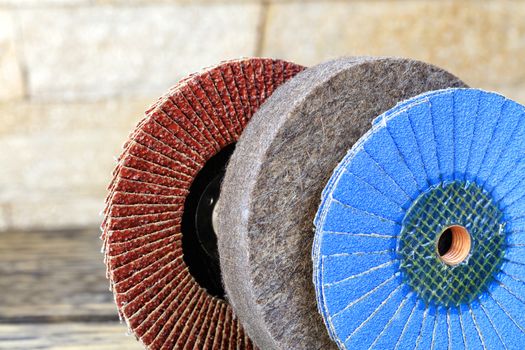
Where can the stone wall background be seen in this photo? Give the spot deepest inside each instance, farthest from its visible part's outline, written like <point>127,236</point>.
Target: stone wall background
<point>76,75</point>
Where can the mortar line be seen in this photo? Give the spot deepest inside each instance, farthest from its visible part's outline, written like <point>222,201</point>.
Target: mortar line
<point>261,27</point>
<point>20,53</point>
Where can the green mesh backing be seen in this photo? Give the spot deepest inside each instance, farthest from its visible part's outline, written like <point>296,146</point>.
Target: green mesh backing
<point>441,206</point>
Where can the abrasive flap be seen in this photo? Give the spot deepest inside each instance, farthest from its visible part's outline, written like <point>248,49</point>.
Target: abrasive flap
<point>157,296</point>
<point>447,161</point>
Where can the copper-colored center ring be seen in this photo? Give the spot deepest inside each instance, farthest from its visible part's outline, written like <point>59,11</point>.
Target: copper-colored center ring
<point>459,247</point>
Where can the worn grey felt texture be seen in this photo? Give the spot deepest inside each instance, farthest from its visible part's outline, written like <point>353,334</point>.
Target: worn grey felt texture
<point>273,183</point>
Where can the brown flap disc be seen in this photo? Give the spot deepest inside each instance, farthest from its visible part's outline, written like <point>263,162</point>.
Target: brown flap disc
<point>165,302</point>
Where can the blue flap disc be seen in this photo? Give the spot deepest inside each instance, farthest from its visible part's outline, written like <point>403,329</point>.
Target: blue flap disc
<point>420,236</point>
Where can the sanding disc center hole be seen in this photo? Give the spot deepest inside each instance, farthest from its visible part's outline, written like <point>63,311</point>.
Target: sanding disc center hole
<point>453,245</point>
<point>199,241</point>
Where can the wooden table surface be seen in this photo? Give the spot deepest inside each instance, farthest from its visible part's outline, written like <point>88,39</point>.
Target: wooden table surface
<point>54,294</point>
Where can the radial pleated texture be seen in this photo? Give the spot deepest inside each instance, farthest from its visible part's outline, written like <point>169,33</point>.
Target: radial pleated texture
<point>161,302</point>
<point>449,157</point>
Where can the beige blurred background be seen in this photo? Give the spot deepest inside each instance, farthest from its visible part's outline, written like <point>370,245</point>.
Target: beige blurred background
<point>76,75</point>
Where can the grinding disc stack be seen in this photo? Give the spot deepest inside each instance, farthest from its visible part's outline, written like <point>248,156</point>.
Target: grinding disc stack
<point>418,237</point>
<point>156,294</point>
<point>274,180</point>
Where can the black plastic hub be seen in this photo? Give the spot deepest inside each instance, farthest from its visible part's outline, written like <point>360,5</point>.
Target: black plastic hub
<point>199,241</point>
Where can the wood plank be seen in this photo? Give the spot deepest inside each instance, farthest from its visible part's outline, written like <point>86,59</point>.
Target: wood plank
<point>67,336</point>
<point>54,294</point>
<point>53,275</point>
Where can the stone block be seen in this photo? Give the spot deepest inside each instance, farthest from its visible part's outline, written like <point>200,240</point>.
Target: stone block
<point>62,147</point>
<point>57,159</point>
<point>483,42</point>
<point>106,51</point>
<point>56,210</point>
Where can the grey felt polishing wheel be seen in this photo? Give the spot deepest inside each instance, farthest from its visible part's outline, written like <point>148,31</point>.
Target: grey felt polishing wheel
<point>273,185</point>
